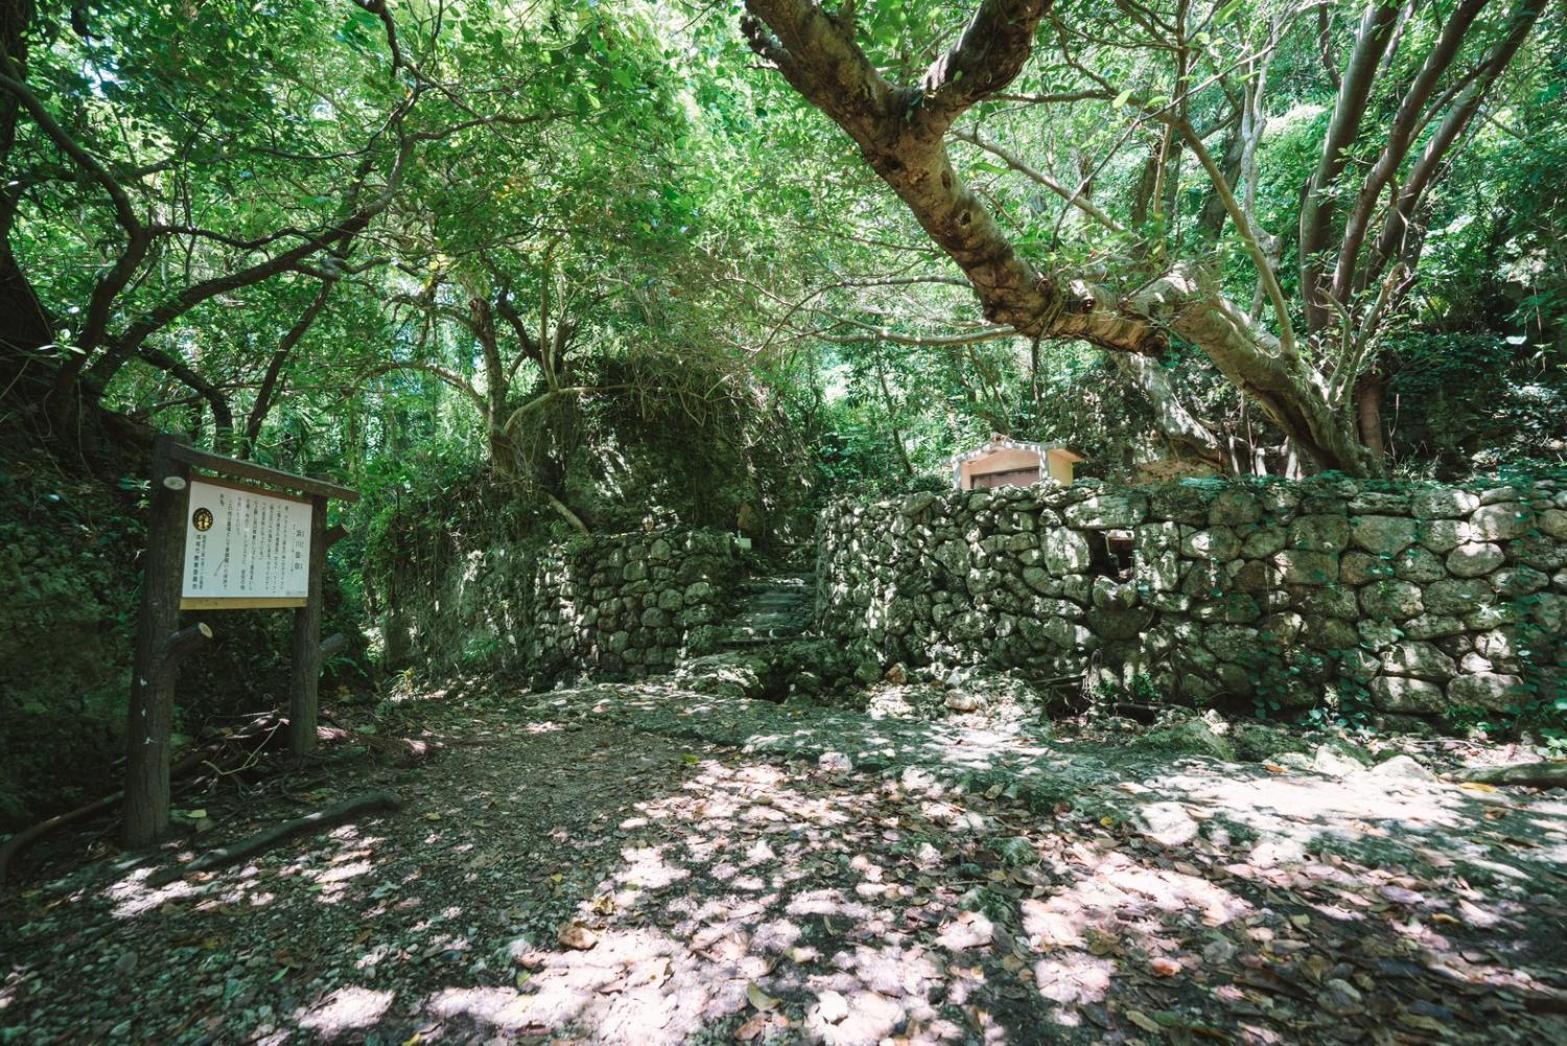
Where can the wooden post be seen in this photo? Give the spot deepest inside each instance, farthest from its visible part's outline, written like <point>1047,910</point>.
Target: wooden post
<point>152,677</point>
<point>302,691</point>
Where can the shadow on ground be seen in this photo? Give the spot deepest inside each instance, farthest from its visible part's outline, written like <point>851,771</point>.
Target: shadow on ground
<point>641,864</point>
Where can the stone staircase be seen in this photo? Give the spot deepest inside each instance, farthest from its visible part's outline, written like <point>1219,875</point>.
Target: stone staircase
<point>767,649</point>
<point>770,609</point>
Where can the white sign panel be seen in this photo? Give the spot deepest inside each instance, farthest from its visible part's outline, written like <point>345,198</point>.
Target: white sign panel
<point>244,548</point>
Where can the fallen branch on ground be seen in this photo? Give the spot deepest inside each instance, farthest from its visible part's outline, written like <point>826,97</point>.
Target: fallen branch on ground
<point>264,840</point>
<point>405,752</point>
<point>1533,775</point>
<point>27,836</point>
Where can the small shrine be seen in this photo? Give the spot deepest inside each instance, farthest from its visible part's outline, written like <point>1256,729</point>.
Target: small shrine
<point>1007,462</point>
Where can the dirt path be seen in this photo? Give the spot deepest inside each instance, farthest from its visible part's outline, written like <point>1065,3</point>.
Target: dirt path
<point>594,868</point>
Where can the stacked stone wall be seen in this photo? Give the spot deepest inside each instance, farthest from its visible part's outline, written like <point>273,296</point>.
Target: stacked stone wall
<point>632,603</point>
<point>620,604</point>
<point>1411,599</point>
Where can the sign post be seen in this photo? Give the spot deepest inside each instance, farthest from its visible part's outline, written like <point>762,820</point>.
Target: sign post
<point>152,676</point>
<point>220,544</point>
<point>306,675</point>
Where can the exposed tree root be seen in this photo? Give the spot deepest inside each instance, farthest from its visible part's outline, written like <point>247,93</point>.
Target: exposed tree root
<point>1532,775</point>
<point>264,840</point>
<point>27,836</point>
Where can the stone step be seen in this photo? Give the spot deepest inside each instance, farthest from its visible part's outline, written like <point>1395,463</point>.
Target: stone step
<point>755,641</point>
<point>780,600</point>
<point>769,617</point>
<point>742,634</point>
<point>790,582</point>
<point>777,594</point>
<point>774,604</point>
<point>772,621</point>
<point>770,609</point>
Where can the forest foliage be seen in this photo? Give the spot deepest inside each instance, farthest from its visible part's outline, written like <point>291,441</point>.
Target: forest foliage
<point>611,254</point>
<point>649,262</point>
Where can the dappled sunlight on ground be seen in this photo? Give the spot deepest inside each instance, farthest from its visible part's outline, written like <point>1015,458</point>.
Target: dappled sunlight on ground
<point>618,877</point>
<point>132,896</point>
<point>345,1011</point>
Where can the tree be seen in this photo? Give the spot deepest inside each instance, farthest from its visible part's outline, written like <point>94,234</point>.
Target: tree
<point>195,185</point>
<point>1301,382</point>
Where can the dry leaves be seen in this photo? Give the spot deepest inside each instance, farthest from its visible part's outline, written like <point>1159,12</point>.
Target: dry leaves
<point>760,999</point>
<point>578,937</point>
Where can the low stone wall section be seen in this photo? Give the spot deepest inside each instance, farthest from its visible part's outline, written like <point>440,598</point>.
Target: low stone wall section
<point>632,603</point>
<point>618,605</point>
<point>1412,599</point>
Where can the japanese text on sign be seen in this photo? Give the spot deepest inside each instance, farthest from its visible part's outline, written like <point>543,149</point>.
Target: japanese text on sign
<point>244,546</point>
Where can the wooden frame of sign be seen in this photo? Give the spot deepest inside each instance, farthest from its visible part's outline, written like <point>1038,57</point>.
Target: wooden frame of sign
<point>274,552</point>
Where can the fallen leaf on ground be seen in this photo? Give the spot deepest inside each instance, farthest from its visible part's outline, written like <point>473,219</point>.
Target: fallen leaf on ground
<point>579,937</point>
<point>1143,1021</point>
<point>832,1007</point>
<point>760,999</point>
<point>760,1025</point>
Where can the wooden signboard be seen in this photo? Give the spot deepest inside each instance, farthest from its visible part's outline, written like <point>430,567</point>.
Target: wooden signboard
<point>229,543</point>
<point>244,549</point>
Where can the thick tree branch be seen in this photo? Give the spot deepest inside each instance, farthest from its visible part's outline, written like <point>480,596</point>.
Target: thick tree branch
<point>129,343</point>
<point>1250,236</point>
<point>1395,238</point>
<point>445,374</point>
<point>877,334</point>
<point>269,381</point>
<point>822,61</point>
<point>124,210</point>
<point>1316,212</point>
<point>222,414</point>
<point>1401,134</point>
<point>137,238</point>
<point>378,8</point>
<point>987,57</point>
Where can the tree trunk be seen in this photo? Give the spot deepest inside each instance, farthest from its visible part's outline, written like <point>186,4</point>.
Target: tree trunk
<point>1210,220</point>
<point>152,676</point>
<point>24,325</point>
<point>1183,433</point>
<point>1369,391</point>
<point>1316,213</point>
<point>893,431</point>
<point>900,132</point>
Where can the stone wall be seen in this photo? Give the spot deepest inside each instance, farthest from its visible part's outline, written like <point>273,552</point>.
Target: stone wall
<point>632,603</point>
<point>622,604</point>
<point>1412,599</point>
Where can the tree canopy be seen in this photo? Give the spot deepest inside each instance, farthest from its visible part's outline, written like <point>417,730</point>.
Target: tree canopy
<point>1224,236</point>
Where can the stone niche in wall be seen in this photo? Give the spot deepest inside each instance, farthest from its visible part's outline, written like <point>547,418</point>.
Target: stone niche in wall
<point>1413,598</point>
